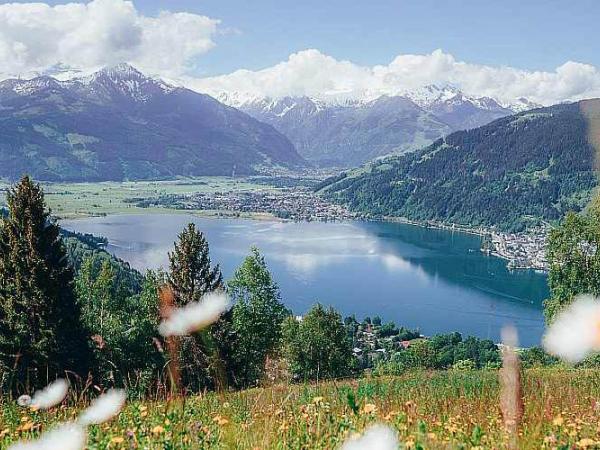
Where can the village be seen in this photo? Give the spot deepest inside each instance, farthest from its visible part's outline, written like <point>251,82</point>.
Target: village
<point>296,204</point>
<point>522,250</point>
<point>373,341</point>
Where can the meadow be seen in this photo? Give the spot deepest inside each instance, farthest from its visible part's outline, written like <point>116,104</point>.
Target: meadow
<point>73,200</point>
<point>438,409</point>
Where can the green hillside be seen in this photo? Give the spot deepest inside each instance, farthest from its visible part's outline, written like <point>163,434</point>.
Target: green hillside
<point>511,173</point>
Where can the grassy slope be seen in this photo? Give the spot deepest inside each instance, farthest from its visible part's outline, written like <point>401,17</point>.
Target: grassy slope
<point>438,410</point>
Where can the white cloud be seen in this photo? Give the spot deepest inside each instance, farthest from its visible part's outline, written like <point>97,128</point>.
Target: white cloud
<point>310,72</point>
<point>36,36</point>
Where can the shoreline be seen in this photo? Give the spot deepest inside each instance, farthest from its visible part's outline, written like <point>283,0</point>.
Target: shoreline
<point>522,251</point>
<point>498,245</point>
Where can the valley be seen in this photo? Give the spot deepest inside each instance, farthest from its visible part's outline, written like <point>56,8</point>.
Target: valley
<point>260,198</point>
<point>322,225</point>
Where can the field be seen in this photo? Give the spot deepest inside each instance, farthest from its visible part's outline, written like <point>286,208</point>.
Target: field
<point>73,200</point>
<point>453,409</point>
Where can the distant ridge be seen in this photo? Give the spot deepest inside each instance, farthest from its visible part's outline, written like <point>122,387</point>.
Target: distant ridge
<point>118,124</point>
<point>348,132</point>
<point>512,173</point>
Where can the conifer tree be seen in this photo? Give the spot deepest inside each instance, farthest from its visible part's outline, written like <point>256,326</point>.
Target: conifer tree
<point>190,277</point>
<point>41,336</point>
<point>190,274</point>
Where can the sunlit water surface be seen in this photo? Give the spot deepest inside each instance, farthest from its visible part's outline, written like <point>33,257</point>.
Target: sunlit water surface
<point>435,280</point>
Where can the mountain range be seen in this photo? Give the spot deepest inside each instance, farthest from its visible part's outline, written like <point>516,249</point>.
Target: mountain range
<point>118,124</point>
<point>511,173</point>
<point>350,132</point>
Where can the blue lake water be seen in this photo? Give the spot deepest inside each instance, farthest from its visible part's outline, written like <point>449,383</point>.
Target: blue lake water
<point>436,280</point>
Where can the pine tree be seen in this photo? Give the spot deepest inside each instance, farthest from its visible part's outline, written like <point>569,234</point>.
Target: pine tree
<point>190,277</point>
<point>190,274</point>
<point>41,336</point>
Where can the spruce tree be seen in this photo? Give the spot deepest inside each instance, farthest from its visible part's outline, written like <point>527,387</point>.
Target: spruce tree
<point>190,273</point>
<point>190,277</point>
<point>41,336</point>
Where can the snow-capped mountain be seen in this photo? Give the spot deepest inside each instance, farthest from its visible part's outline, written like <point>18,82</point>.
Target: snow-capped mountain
<point>119,124</point>
<point>348,131</point>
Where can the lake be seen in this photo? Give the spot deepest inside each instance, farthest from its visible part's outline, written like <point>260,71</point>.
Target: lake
<point>436,280</point>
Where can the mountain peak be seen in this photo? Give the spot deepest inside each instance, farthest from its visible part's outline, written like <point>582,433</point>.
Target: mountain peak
<point>121,70</point>
<point>117,73</point>
<point>126,80</point>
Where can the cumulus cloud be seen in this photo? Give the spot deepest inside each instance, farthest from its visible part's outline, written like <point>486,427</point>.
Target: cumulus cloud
<point>312,73</point>
<point>36,36</point>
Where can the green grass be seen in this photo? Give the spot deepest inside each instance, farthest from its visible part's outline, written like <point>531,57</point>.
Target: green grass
<point>450,409</point>
<point>72,200</point>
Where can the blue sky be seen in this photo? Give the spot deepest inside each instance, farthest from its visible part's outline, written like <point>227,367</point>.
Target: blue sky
<point>527,34</point>
<point>547,51</point>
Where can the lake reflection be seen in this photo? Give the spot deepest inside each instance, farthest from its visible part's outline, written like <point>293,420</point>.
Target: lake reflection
<point>436,280</point>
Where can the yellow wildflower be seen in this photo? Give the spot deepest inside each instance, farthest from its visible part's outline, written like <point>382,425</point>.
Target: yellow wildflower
<point>117,440</point>
<point>558,421</point>
<point>391,415</point>
<point>220,420</point>
<point>369,408</point>
<point>586,442</point>
<point>25,427</point>
<point>158,430</point>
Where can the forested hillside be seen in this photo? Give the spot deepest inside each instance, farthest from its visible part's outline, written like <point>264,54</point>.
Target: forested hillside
<point>511,173</point>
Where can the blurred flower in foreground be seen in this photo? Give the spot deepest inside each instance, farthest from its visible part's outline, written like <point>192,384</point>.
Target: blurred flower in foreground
<point>24,401</point>
<point>575,332</point>
<point>194,316</point>
<point>377,437</point>
<point>103,408</point>
<point>48,397</point>
<point>68,436</point>
<point>51,395</point>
